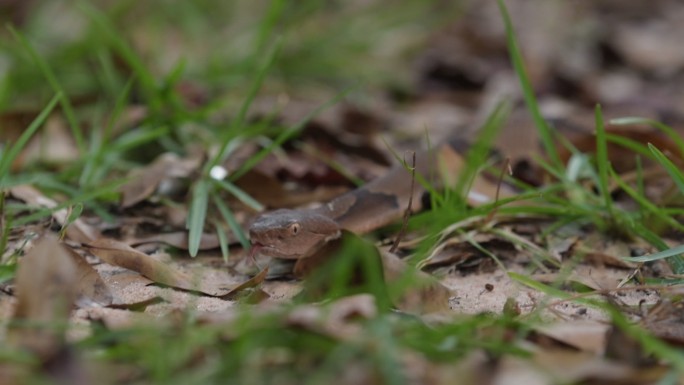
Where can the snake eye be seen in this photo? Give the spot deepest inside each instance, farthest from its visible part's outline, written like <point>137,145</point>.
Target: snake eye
<point>294,228</point>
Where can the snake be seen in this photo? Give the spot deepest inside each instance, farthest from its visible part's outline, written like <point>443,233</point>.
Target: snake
<point>297,233</point>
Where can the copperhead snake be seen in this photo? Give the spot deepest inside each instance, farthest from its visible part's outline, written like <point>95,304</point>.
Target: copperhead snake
<point>297,233</point>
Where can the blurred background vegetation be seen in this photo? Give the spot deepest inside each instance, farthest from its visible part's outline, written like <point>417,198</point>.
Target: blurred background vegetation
<point>93,48</point>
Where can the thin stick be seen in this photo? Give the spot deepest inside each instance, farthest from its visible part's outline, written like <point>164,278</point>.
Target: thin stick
<point>506,167</point>
<point>407,213</point>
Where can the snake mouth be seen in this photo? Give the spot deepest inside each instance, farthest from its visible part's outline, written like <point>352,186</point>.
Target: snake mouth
<point>255,249</point>
<point>259,248</point>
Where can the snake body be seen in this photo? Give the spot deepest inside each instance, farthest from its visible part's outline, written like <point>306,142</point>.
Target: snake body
<point>295,233</point>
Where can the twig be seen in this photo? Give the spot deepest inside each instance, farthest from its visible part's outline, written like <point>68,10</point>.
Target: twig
<point>506,167</point>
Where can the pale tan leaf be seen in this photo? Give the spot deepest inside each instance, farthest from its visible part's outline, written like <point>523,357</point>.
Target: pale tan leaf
<point>78,230</point>
<point>46,291</point>
<point>119,254</point>
<point>589,336</point>
<point>179,239</point>
<point>144,182</point>
<point>89,284</point>
<point>207,281</point>
<point>412,290</point>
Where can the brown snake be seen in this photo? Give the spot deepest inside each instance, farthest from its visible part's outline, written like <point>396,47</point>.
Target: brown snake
<point>293,234</point>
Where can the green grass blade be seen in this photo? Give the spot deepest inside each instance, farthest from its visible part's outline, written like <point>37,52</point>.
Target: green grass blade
<point>285,135</point>
<point>650,343</point>
<point>231,221</point>
<point>240,194</point>
<point>223,242</point>
<point>197,215</point>
<point>669,131</point>
<point>630,144</point>
<point>656,256</point>
<point>10,154</point>
<point>5,227</point>
<point>677,262</point>
<point>56,87</point>
<point>94,168</point>
<point>7,272</point>
<point>137,137</point>
<point>548,290</point>
<point>647,204</point>
<point>147,80</point>
<point>86,198</point>
<point>545,130</point>
<point>602,161</point>
<point>238,122</point>
<point>672,170</point>
<point>480,150</point>
<point>75,212</point>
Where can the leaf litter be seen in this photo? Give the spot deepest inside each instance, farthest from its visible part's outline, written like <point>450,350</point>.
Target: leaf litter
<point>126,277</point>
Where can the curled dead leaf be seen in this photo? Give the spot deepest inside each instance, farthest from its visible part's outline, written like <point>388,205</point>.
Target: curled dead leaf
<point>201,280</point>
<point>119,254</point>
<point>179,239</point>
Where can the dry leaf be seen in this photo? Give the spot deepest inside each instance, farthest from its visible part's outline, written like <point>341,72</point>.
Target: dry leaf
<point>90,286</point>
<point>570,367</point>
<point>52,144</point>
<point>78,230</point>
<point>119,254</point>
<point>179,240</point>
<point>144,182</point>
<point>622,159</point>
<point>666,319</point>
<point>45,294</point>
<point>604,251</point>
<point>414,291</point>
<point>272,193</point>
<point>118,319</point>
<point>589,336</point>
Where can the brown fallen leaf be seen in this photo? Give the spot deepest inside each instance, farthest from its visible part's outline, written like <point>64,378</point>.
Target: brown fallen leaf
<point>120,254</point>
<point>621,158</point>
<point>120,319</point>
<point>89,285</point>
<point>45,295</point>
<point>605,251</point>
<point>622,347</point>
<point>144,182</point>
<point>179,239</point>
<point>252,282</point>
<point>272,193</point>
<point>666,319</point>
<point>412,290</point>
<point>589,336</point>
<point>53,144</point>
<point>564,366</point>
<point>78,231</point>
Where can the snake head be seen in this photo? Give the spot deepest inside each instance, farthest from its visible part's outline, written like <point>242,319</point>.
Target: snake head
<point>291,234</point>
